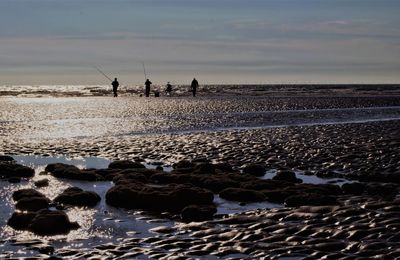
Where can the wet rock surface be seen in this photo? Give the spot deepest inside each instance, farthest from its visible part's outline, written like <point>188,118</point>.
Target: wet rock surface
<point>75,196</point>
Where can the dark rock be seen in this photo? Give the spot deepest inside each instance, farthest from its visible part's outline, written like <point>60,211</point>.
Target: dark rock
<point>382,189</point>
<point>48,223</point>
<point>42,183</point>
<point>277,196</point>
<point>26,193</point>
<point>12,170</point>
<point>32,203</point>
<point>21,221</point>
<point>198,212</point>
<point>125,164</point>
<point>218,183</point>
<point>61,170</point>
<point>286,175</point>
<point>77,197</point>
<point>14,180</point>
<point>204,168</point>
<point>172,198</point>
<point>310,200</point>
<point>223,167</point>
<point>6,158</point>
<point>242,195</point>
<point>183,164</point>
<point>255,170</point>
<point>354,188</point>
<point>265,185</point>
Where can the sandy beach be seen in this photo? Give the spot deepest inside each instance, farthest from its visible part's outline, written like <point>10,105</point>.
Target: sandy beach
<point>272,176</point>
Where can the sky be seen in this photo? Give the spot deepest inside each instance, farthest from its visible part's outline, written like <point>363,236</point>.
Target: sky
<point>218,42</point>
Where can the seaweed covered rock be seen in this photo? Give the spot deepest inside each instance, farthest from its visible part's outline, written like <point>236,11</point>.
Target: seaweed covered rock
<point>286,175</point>
<point>125,164</point>
<point>242,195</point>
<point>30,200</point>
<point>354,188</point>
<point>172,198</point>
<point>32,203</point>
<point>44,222</point>
<point>27,193</point>
<point>77,197</point>
<point>6,158</point>
<point>66,171</point>
<point>9,169</point>
<point>183,164</point>
<point>254,169</point>
<point>198,212</point>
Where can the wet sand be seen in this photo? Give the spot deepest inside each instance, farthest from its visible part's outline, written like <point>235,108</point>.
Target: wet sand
<point>355,138</point>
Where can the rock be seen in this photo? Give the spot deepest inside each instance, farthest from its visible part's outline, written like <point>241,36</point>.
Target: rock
<point>77,197</point>
<point>42,183</point>
<point>14,180</point>
<point>48,223</point>
<point>354,188</point>
<point>242,195</point>
<point>26,193</point>
<point>204,168</point>
<point>183,164</point>
<point>172,198</point>
<point>32,203</point>
<point>125,164</point>
<point>44,222</point>
<point>223,167</point>
<point>61,170</point>
<point>6,158</point>
<point>382,189</point>
<point>286,175</point>
<point>254,169</point>
<point>21,221</point>
<point>217,184</point>
<point>198,212</point>
<point>13,170</point>
<point>310,199</point>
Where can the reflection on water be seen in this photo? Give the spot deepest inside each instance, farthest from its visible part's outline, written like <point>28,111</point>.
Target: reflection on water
<point>26,118</point>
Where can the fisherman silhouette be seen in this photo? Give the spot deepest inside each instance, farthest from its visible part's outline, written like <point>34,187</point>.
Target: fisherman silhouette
<point>194,86</point>
<point>168,89</point>
<point>147,89</point>
<point>115,85</point>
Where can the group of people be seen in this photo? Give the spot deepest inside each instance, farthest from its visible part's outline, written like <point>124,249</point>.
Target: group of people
<point>168,90</point>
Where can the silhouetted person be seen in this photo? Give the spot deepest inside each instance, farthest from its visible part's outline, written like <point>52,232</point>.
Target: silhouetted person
<point>168,89</point>
<point>115,85</point>
<point>194,86</point>
<point>147,89</point>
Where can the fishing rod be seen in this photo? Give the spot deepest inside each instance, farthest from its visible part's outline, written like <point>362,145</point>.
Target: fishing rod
<point>102,73</point>
<point>144,71</point>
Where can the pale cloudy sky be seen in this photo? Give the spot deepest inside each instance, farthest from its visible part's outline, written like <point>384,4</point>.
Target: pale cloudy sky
<point>217,41</point>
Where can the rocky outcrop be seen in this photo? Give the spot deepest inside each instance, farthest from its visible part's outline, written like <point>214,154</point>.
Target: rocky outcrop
<point>75,196</point>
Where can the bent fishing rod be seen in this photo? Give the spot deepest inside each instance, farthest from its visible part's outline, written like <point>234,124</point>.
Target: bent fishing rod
<point>102,73</point>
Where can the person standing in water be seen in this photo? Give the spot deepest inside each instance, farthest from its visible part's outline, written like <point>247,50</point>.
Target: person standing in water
<point>115,85</point>
<point>194,86</point>
<point>147,88</point>
<point>168,89</point>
